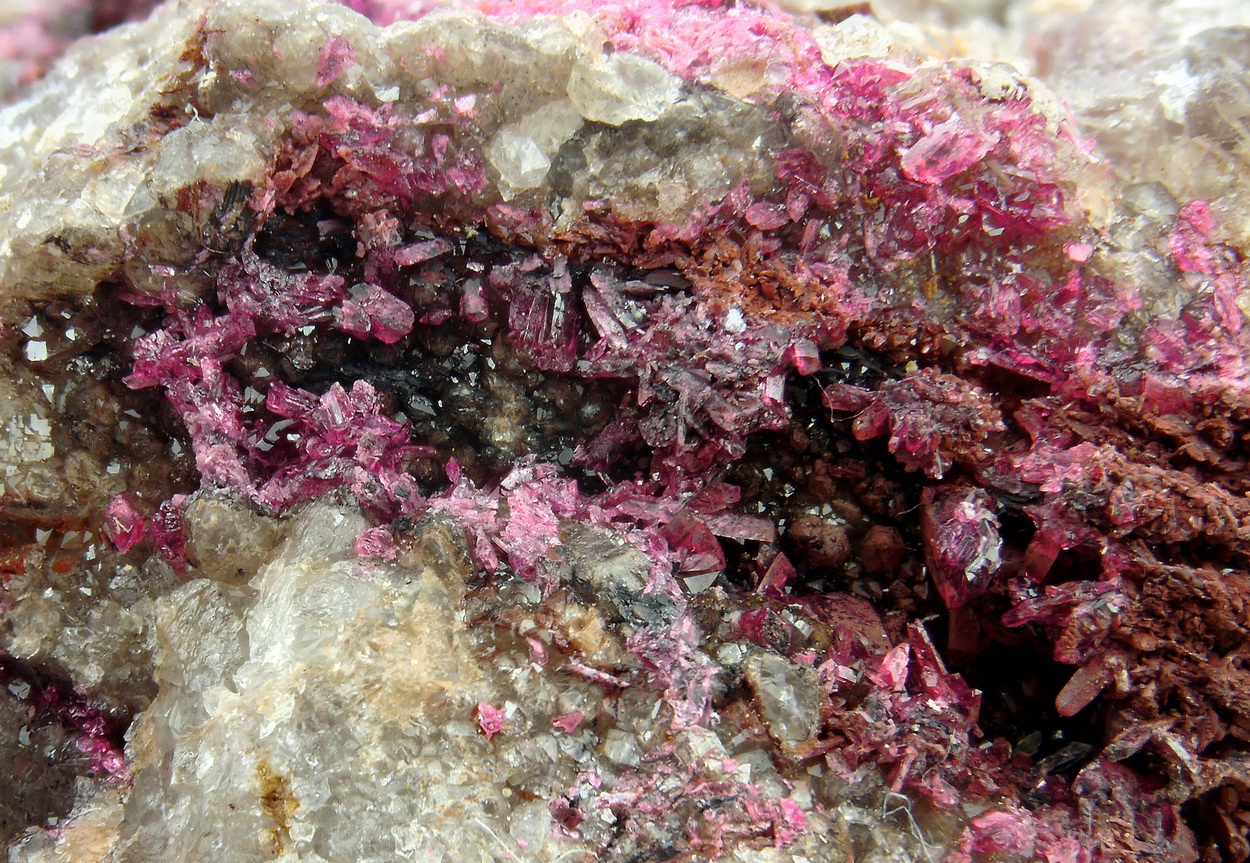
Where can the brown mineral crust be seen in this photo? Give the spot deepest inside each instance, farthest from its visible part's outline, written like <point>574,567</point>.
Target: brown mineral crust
<point>933,420</point>
<point>1190,635</point>
<point>1226,813</point>
<point>1171,679</point>
<point>741,273</point>
<point>599,235</point>
<point>278,803</point>
<point>1131,490</point>
<point>820,542</point>
<point>735,271</point>
<point>1198,426</point>
<point>1170,506</point>
<point>1220,421</point>
<point>881,549</point>
<point>899,335</point>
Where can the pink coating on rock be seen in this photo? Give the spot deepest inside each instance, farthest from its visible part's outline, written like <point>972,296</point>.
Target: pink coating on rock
<point>376,543</point>
<point>1190,238</point>
<point>34,35</point>
<point>337,56</point>
<point>766,217</point>
<point>783,817</point>
<point>532,528</point>
<point>1051,467</point>
<point>536,501</point>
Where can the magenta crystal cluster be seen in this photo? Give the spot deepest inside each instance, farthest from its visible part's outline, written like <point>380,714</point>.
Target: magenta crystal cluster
<point>848,345</point>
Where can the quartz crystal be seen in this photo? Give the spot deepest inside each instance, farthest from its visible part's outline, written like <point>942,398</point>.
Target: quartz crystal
<point>568,431</point>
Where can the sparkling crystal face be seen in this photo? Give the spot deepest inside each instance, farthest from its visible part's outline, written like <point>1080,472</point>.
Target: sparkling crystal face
<point>578,431</point>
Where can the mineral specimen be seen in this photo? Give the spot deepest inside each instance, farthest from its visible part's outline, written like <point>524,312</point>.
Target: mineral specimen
<point>568,431</point>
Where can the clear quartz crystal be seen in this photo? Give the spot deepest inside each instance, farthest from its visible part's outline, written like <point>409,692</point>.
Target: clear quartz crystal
<point>522,151</point>
<point>620,88</point>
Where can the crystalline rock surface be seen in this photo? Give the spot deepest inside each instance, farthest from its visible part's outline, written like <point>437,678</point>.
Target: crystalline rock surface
<point>569,431</point>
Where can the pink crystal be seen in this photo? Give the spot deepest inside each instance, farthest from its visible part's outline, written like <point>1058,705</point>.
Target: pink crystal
<point>417,253</point>
<point>696,549</point>
<point>473,304</point>
<point>949,148</point>
<point>545,322</point>
<point>779,572</point>
<point>490,719</point>
<point>766,217</point>
<point>1079,252</point>
<point>376,543</point>
<point>124,524</point>
<point>892,673</point>
<point>1009,832</point>
<point>168,532</point>
<point>962,542</point>
<point>371,312</point>
<point>568,722</point>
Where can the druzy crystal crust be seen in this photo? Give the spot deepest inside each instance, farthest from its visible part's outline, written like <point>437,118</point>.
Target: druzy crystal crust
<point>570,431</point>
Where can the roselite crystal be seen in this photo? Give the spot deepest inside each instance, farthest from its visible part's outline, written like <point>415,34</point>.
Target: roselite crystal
<point>563,431</point>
